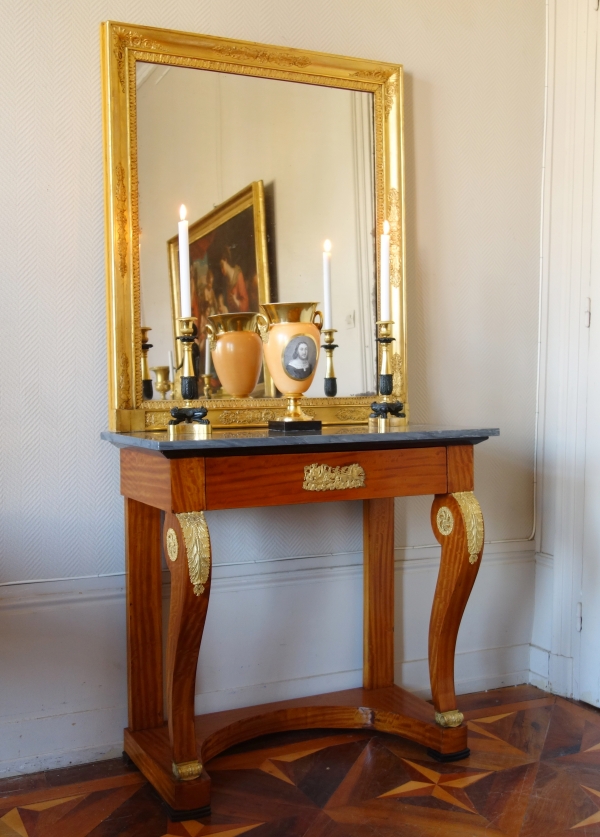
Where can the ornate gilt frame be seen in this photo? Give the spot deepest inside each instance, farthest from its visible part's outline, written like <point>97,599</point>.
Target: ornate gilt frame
<point>252,197</point>
<point>123,45</point>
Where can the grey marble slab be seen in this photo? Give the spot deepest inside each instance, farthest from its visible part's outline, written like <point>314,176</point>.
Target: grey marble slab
<point>332,438</point>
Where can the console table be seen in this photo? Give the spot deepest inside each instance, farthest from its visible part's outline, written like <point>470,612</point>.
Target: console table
<point>245,468</point>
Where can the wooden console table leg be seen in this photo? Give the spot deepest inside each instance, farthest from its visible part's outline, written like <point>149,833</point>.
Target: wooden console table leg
<point>458,525</point>
<point>378,604</point>
<point>187,547</point>
<point>144,616</point>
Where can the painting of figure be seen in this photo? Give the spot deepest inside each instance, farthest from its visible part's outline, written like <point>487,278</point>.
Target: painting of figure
<point>228,265</point>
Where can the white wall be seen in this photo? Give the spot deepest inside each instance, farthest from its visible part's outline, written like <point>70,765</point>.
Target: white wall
<point>474,114</point>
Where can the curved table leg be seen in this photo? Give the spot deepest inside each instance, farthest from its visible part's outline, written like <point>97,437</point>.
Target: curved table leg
<point>458,525</point>
<point>187,549</point>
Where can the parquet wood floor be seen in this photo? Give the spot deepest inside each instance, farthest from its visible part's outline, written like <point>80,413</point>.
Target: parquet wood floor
<point>534,771</point>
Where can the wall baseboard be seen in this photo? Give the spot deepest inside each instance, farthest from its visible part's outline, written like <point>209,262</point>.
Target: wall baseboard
<point>539,667</point>
<point>70,708</point>
<point>39,733</point>
<point>475,671</point>
<point>254,695</point>
<point>34,743</point>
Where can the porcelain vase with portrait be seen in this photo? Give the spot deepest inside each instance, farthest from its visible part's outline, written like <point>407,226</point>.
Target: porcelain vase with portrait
<point>291,345</point>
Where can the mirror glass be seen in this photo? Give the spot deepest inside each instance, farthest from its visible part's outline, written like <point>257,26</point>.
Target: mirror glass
<point>202,138</point>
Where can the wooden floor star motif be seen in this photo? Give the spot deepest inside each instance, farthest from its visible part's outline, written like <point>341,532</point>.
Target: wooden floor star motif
<point>11,825</point>
<point>595,818</point>
<point>447,787</point>
<point>270,765</point>
<point>534,771</point>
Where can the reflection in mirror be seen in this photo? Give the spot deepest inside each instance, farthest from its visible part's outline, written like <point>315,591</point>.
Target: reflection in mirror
<point>205,136</point>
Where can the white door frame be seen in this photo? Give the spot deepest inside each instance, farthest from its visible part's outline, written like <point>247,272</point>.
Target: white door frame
<point>566,265</point>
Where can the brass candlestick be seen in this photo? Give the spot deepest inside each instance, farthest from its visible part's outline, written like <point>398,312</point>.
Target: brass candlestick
<point>330,379</point>
<point>163,384</point>
<point>381,411</point>
<point>146,379</point>
<point>188,422</point>
<point>206,390</point>
<point>386,378</point>
<point>189,382</point>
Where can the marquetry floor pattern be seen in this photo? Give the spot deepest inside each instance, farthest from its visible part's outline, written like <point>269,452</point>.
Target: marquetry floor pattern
<point>534,771</point>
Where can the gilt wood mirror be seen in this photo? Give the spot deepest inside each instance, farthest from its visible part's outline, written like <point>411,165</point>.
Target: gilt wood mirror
<point>272,150</point>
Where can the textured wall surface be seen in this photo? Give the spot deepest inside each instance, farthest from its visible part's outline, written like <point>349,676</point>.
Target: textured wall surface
<point>474,119</point>
<point>474,128</point>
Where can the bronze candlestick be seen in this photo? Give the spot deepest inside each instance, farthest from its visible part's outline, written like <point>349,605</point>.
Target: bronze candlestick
<point>189,382</point>
<point>188,421</point>
<point>146,379</point>
<point>330,379</point>
<point>381,411</point>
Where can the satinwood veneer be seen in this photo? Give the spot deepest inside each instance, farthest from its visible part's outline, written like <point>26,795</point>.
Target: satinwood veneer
<point>167,489</point>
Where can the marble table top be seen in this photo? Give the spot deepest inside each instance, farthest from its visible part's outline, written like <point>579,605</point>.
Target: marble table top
<point>261,440</point>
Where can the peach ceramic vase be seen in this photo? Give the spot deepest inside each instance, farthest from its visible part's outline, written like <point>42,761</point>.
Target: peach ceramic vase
<point>236,350</point>
<point>291,349</point>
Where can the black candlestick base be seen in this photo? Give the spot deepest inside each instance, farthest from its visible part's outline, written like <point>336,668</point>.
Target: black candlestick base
<point>189,423</point>
<point>330,382</point>
<point>384,409</point>
<point>386,384</point>
<point>189,415</point>
<point>189,388</point>
<point>330,386</point>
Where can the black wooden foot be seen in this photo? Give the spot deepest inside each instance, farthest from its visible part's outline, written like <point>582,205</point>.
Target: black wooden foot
<point>445,757</point>
<point>182,816</point>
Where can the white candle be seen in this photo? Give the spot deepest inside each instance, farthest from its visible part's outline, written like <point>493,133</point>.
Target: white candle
<point>327,317</point>
<point>207,356</point>
<point>184,265</point>
<point>384,286</point>
<point>171,366</point>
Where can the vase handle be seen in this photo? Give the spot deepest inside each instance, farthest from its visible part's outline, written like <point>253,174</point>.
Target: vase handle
<point>263,328</point>
<point>211,335</point>
<point>319,325</point>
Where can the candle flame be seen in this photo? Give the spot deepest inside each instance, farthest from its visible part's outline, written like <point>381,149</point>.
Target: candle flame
<point>182,212</point>
<point>327,246</point>
<point>386,227</point>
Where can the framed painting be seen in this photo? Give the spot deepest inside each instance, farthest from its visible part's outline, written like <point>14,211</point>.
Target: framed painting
<point>228,268</point>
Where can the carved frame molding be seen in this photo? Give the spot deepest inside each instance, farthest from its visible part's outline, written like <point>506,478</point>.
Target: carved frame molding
<point>123,45</point>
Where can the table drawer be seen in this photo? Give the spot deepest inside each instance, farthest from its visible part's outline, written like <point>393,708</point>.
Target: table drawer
<point>234,482</point>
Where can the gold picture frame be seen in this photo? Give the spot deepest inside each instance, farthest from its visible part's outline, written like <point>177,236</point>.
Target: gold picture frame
<point>223,226</point>
<point>125,44</point>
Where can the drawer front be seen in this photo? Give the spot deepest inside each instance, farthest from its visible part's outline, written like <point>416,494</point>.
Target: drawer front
<point>234,482</point>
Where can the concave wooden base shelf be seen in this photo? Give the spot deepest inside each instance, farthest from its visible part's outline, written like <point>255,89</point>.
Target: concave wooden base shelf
<point>390,709</point>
